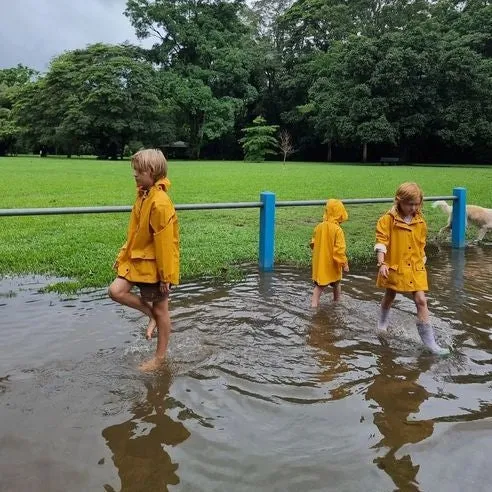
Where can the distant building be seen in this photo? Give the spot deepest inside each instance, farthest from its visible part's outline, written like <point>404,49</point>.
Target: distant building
<point>176,150</point>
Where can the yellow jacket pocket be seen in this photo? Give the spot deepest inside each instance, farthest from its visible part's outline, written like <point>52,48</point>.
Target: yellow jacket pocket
<point>143,254</point>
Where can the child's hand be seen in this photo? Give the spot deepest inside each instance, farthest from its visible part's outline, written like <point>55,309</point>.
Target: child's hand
<point>164,287</point>
<point>384,270</point>
<point>346,268</point>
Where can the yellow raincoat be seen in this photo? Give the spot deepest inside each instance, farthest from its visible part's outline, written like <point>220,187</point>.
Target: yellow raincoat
<point>403,245</point>
<point>151,252</point>
<point>328,245</point>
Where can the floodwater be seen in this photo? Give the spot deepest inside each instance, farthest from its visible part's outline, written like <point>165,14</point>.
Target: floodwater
<point>260,392</point>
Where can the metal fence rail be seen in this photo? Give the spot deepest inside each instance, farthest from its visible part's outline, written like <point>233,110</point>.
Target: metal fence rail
<point>353,201</point>
<point>18,212</point>
<point>267,206</point>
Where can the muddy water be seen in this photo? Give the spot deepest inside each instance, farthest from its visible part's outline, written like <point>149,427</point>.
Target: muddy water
<point>260,393</point>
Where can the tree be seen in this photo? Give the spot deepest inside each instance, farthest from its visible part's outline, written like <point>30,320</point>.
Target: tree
<point>103,95</point>
<point>344,106</point>
<point>203,115</point>
<point>12,82</point>
<point>17,76</point>
<point>208,48</point>
<point>464,107</point>
<point>259,140</point>
<point>285,144</point>
<point>8,130</point>
<point>269,68</point>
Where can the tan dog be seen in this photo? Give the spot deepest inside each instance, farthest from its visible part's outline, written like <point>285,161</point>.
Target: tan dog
<point>480,216</point>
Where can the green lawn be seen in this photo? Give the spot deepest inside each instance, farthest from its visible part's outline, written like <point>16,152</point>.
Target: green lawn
<point>82,247</point>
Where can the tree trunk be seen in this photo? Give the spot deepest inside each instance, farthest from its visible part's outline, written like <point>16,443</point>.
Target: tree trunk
<point>196,135</point>
<point>329,153</point>
<point>364,152</point>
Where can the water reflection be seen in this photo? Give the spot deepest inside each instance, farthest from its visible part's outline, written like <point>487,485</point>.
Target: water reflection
<point>458,273</point>
<point>355,362</point>
<point>398,395</point>
<point>290,399</point>
<point>324,333</point>
<point>138,444</point>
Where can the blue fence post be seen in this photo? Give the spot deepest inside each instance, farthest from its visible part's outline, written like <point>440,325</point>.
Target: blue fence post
<point>458,221</point>
<point>267,231</point>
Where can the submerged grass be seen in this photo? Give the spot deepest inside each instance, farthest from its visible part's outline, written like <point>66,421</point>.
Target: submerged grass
<point>82,248</point>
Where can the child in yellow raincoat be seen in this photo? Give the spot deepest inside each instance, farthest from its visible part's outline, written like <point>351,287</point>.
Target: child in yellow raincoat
<point>149,259</point>
<point>400,241</point>
<point>329,257</point>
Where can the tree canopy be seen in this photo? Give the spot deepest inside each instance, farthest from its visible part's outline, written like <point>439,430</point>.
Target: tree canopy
<point>348,79</point>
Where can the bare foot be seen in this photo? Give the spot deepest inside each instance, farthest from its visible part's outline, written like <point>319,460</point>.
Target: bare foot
<point>150,329</point>
<point>152,364</point>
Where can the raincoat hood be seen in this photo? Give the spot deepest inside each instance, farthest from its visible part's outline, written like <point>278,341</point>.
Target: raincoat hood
<point>335,212</point>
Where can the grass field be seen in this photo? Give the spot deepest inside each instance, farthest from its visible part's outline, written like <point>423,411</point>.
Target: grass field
<point>213,243</point>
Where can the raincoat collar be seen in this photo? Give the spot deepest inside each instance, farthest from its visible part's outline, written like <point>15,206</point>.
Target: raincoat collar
<point>162,183</point>
<point>394,212</point>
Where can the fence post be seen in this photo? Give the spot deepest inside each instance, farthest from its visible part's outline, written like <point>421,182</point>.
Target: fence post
<point>267,231</point>
<point>458,221</point>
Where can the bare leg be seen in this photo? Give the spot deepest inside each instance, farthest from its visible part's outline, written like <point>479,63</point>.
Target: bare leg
<point>163,322</point>
<point>337,291</point>
<point>151,326</point>
<point>388,298</point>
<point>317,291</point>
<point>119,291</point>
<point>421,303</point>
<point>386,303</point>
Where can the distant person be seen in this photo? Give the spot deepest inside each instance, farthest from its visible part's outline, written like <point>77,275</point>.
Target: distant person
<point>329,257</point>
<point>149,259</point>
<point>400,241</point>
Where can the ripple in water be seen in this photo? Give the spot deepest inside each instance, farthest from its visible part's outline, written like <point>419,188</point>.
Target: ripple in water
<point>259,392</point>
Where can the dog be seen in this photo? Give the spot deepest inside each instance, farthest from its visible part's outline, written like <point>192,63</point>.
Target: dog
<point>480,216</point>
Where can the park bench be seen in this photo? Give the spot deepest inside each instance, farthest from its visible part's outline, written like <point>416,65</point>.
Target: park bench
<point>390,160</point>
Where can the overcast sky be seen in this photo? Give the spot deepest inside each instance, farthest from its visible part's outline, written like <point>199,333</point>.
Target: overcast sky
<point>32,32</point>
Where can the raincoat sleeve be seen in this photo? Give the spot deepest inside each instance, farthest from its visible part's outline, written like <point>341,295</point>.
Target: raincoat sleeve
<point>339,249</point>
<point>163,224</point>
<point>383,231</point>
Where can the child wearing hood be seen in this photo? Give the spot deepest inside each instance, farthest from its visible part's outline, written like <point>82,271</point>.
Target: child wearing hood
<point>149,259</point>
<point>329,256</point>
<point>400,247</point>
